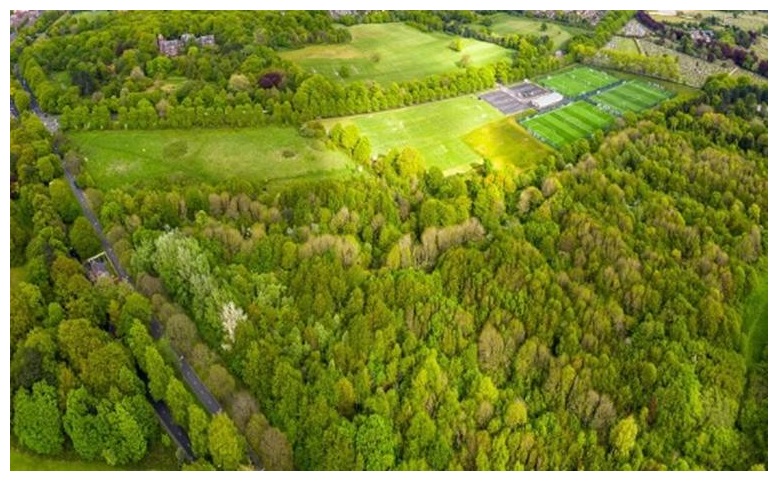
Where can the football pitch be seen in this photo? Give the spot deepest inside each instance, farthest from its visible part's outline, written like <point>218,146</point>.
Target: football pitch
<point>568,124</point>
<point>634,96</point>
<point>577,81</point>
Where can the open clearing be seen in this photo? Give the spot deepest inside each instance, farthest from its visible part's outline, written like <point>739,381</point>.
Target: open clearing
<point>506,24</point>
<point>569,123</point>
<point>393,52</point>
<point>434,129</point>
<point>507,144</point>
<point>577,81</point>
<point>623,44</point>
<point>121,158</point>
<point>159,458</point>
<point>633,96</point>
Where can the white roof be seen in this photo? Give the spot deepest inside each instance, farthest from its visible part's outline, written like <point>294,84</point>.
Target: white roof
<point>548,99</point>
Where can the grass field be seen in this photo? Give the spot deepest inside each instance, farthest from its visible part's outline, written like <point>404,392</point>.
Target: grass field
<point>569,123</point>
<point>159,458</point>
<point>393,52</point>
<point>623,44</point>
<point>755,322</point>
<point>505,24</point>
<point>120,158</point>
<point>633,96</point>
<point>434,129</point>
<point>507,145</point>
<point>577,81</point>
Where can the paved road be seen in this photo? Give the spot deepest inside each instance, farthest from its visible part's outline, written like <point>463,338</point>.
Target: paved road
<point>14,110</point>
<point>190,377</point>
<point>175,431</point>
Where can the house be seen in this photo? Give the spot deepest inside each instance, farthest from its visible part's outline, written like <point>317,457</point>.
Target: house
<point>176,46</point>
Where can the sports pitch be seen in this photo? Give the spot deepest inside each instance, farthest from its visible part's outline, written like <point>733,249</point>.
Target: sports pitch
<point>568,124</point>
<point>581,80</point>
<point>435,129</point>
<point>634,96</point>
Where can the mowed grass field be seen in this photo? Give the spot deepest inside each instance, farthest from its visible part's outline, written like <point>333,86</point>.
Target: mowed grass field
<point>577,81</point>
<point>393,52</point>
<point>121,158</point>
<point>633,96</point>
<point>569,123</point>
<point>506,24</point>
<point>434,129</point>
<point>507,145</point>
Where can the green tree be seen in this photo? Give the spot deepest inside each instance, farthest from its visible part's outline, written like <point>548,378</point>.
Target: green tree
<point>159,373</point>
<point>63,200</point>
<point>275,451</point>
<point>623,436</point>
<point>36,421</point>
<point>375,444</point>
<point>224,443</point>
<point>198,430</point>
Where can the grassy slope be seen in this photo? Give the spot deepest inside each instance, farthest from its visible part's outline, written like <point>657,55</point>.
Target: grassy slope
<point>159,458</point>
<point>755,322</point>
<point>405,54</point>
<point>118,158</point>
<point>434,129</point>
<point>623,44</point>
<point>505,24</point>
<point>506,144</point>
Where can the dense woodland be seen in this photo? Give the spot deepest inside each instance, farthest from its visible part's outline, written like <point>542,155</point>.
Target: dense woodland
<point>586,314</point>
<point>583,316</point>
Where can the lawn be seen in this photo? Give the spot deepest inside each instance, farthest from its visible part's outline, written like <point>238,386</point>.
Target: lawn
<point>623,44</point>
<point>633,96</point>
<point>434,129</point>
<point>159,458</point>
<point>568,124</point>
<point>393,52</point>
<point>577,81</point>
<point>120,158</point>
<point>755,322</point>
<point>505,24</point>
<point>507,144</point>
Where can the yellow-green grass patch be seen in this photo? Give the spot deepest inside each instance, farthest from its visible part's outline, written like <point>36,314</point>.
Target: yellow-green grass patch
<point>393,52</point>
<point>120,158</point>
<point>507,145</point>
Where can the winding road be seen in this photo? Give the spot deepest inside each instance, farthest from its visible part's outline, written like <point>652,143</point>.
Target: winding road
<point>206,398</point>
